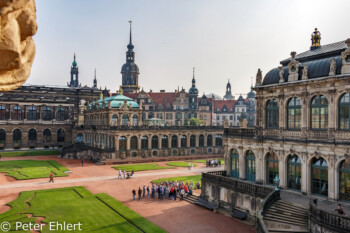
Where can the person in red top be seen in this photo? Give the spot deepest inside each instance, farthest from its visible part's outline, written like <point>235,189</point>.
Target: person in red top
<point>51,177</point>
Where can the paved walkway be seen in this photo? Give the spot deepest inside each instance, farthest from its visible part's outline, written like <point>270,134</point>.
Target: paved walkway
<point>303,200</point>
<point>172,216</point>
<point>32,183</point>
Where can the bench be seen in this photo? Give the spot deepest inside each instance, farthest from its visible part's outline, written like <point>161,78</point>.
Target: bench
<point>241,215</point>
<point>206,204</point>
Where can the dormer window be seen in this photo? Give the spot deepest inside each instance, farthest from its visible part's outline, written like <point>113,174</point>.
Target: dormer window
<point>293,69</point>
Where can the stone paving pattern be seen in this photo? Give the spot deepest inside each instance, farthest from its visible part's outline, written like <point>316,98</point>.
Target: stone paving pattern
<point>173,216</point>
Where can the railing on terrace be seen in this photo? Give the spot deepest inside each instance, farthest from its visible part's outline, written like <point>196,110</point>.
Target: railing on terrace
<point>240,132</point>
<point>328,220</point>
<point>241,186</point>
<point>108,127</point>
<point>78,147</point>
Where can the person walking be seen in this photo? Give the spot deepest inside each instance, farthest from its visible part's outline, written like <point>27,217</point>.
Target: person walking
<point>82,163</point>
<point>51,177</point>
<point>124,174</point>
<point>133,194</point>
<point>140,192</point>
<point>120,174</point>
<point>132,173</point>
<point>189,166</point>
<point>339,210</point>
<point>148,192</point>
<point>143,191</point>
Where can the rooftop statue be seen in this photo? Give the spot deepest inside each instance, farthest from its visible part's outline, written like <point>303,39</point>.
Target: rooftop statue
<point>17,48</point>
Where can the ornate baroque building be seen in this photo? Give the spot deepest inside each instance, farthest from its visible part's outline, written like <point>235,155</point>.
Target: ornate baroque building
<point>303,122</point>
<point>37,116</point>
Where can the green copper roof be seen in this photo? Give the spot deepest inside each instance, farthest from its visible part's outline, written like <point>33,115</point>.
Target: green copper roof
<point>116,101</point>
<point>74,63</point>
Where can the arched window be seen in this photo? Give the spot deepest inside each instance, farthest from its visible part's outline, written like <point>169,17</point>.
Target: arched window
<point>294,172</point>
<point>271,167</point>
<point>234,163</point>
<point>183,141</point>
<point>319,112</point>
<point>17,136</point>
<point>134,120</point>
<point>272,114</point>
<point>2,112</point>
<point>174,141</point>
<point>154,142</point>
<point>144,142</point>
<point>2,136</point>
<point>294,114</point>
<point>218,140</point>
<point>32,113</point>
<point>133,143</point>
<point>80,138</point>
<point>165,142</point>
<point>17,113</point>
<point>344,112</point>
<point>201,140</point>
<point>114,120</point>
<point>47,113</point>
<point>60,135</point>
<point>32,135</point>
<point>125,119</point>
<point>344,180</point>
<point>319,174</point>
<point>250,166</point>
<point>60,114</point>
<point>193,141</point>
<point>209,140</point>
<point>122,143</point>
<point>47,135</point>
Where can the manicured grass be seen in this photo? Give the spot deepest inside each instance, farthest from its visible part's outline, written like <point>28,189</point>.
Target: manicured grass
<point>32,169</point>
<point>98,213</point>
<point>180,164</point>
<point>140,167</point>
<point>29,153</point>
<point>204,161</point>
<point>184,179</point>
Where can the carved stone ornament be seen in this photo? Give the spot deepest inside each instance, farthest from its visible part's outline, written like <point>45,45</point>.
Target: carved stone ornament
<point>305,70</point>
<point>293,68</point>
<point>17,48</point>
<point>332,67</point>
<point>258,80</point>
<point>281,72</point>
<point>345,56</point>
<point>317,155</point>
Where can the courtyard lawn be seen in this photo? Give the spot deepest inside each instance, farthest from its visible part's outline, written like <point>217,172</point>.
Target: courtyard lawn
<point>97,213</point>
<point>29,153</point>
<point>180,164</point>
<point>32,169</point>
<point>204,161</point>
<point>141,167</point>
<point>184,179</point>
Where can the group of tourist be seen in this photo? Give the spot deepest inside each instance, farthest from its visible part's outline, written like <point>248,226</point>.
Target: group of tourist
<point>213,163</point>
<point>166,189</point>
<point>126,175</point>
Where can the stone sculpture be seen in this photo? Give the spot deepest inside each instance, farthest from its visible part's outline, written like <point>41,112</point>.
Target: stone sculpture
<point>17,48</point>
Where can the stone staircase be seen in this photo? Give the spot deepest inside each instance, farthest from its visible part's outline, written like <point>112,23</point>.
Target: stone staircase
<point>283,216</point>
<point>191,199</point>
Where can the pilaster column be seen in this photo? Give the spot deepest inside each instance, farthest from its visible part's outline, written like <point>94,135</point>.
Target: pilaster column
<point>282,173</point>
<point>259,165</point>
<point>241,164</point>
<point>116,142</point>
<point>331,179</point>
<point>160,142</point>
<point>149,141</point>
<point>128,142</point>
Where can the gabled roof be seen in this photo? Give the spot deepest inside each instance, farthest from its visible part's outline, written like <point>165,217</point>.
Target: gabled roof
<point>221,103</point>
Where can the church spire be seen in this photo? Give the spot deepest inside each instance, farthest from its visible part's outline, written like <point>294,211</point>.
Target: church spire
<point>95,80</point>
<point>193,79</point>
<point>130,45</point>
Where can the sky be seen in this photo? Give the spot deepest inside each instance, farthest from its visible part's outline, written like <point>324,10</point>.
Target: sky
<point>222,39</point>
